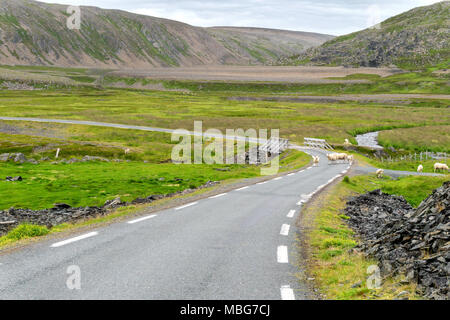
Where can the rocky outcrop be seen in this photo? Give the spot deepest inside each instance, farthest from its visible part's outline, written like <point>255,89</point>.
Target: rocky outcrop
<point>413,242</point>
<point>414,39</point>
<point>16,157</point>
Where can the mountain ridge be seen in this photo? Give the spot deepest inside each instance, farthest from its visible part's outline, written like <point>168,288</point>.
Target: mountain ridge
<point>414,39</point>
<point>35,33</point>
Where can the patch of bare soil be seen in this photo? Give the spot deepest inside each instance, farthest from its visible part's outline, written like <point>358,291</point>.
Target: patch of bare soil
<point>300,74</point>
<point>367,98</point>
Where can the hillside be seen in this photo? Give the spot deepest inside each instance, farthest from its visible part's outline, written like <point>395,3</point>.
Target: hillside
<point>34,33</point>
<point>414,39</point>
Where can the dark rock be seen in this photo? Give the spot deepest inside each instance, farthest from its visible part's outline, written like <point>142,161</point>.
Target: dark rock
<point>64,213</point>
<point>415,242</point>
<point>18,178</point>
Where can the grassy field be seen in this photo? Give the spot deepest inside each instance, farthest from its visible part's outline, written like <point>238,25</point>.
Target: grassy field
<point>333,122</point>
<point>435,138</point>
<point>92,183</point>
<point>338,271</point>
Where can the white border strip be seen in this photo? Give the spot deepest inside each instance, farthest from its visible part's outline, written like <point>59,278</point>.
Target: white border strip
<point>141,219</point>
<point>187,205</point>
<point>287,293</point>
<point>218,196</point>
<point>285,229</point>
<point>282,254</point>
<point>84,236</point>
<point>291,214</point>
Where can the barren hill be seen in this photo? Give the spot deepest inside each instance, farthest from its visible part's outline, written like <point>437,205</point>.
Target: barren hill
<point>414,39</point>
<point>35,33</point>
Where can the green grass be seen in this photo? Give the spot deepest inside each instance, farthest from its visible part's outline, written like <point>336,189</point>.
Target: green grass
<point>92,183</point>
<point>27,231</point>
<point>413,188</point>
<point>333,122</point>
<point>335,267</point>
<point>23,231</point>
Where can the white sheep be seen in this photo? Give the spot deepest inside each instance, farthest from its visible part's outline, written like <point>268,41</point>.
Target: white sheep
<point>347,143</point>
<point>337,156</point>
<point>316,160</point>
<point>440,166</point>
<point>350,158</point>
<point>342,156</point>
<point>420,168</point>
<point>379,173</point>
<point>127,151</point>
<point>332,157</point>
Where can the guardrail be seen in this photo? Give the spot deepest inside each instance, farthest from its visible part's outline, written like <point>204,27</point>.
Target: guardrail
<point>317,143</point>
<point>275,145</point>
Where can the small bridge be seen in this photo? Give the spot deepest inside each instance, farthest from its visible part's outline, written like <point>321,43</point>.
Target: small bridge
<point>317,143</point>
<point>275,145</point>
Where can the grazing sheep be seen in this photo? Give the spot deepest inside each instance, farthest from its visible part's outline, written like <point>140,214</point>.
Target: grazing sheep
<point>379,173</point>
<point>440,166</point>
<point>316,160</point>
<point>127,151</point>
<point>332,157</point>
<point>336,156</point>
<point>341,156</point>
<point>350,158</point>
<point>347,143</point>
<point>420,168</point>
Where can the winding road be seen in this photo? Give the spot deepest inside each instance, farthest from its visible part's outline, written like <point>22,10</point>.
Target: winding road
<point>236,245</point>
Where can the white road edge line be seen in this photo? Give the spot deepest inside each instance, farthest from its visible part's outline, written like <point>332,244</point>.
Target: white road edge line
<point>264,182</point>
<point>84,236</point>
<point>287,293</point>
<point>279,178</point>
<point>291,214</point>
<point>282,254</point>
<point>141,219</point>
<point>187,205</point>
<point>217,196</point>
<point>285,229</point>
<point>243,188</point>
<point>290,174</point>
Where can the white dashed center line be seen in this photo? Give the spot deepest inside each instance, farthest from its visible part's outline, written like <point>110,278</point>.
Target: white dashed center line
<point>291,214</point>
<point>186,205</point>
<point>282,254</point>
<point>141,219</point>
<point>287,293</point>
<point>84,236</point>
<point>285,229</point>
<point>217,196</point>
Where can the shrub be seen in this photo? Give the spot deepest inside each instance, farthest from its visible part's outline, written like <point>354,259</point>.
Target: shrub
<point>27,231</point>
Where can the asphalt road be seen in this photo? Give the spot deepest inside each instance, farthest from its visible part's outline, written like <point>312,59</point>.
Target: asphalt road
<point>239,245</point>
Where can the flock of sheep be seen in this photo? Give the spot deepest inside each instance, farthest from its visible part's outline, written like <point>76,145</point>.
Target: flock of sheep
<point>343,157</point>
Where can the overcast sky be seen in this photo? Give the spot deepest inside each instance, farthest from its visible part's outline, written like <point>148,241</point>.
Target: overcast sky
<point>335,17</point>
